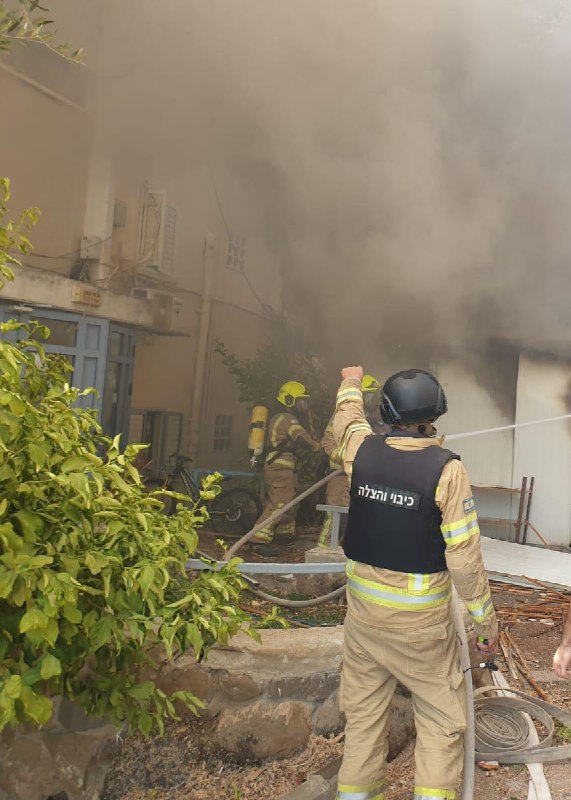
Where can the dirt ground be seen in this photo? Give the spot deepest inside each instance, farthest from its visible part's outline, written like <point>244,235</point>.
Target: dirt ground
<point>182,765</point>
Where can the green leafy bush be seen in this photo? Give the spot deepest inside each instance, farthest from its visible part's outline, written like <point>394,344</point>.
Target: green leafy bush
<point>93,586</point>
<point>92,574</point>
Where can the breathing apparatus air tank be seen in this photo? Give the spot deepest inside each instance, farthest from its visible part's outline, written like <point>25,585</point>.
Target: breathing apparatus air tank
<point>258,430</point>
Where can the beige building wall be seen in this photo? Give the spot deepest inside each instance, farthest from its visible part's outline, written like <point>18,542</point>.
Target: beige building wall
<point>57,158</point>
<point>44,149</point>
<point>544,451</point>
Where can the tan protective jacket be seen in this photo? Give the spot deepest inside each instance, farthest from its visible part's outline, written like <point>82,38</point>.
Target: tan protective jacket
<point>285,429</point>
<point>399,596</point>
<point>329,445</point>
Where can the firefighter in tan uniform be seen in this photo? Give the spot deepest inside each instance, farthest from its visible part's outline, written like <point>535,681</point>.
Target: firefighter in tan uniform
<point>285,434</point>
<point>412,529</point>
<point>337,492</point>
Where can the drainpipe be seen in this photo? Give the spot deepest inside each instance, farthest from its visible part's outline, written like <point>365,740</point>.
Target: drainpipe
<point>205,312</point>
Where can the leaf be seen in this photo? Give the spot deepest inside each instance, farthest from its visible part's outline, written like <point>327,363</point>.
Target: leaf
<point>95,562</point>
<point>145,724</point>
<point>36,706</point>
<point>101,633</point>
<point>33,620</point>
<point>76,464</point>
<point>31,676</point>
<point>142,520</point>
<point>195,637</point>
<point>13,687</point>
<point>141,691</point>
<point>146,579</point>
<point>50,667</point>
<point>7,579</point>
<point>30,523</point>
<point>72,613</point>
<point>39,455</point>
<point>19,593</point>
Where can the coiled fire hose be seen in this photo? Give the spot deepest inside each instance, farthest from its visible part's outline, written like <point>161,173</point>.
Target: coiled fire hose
<point>499,728</point>
<point>502,732</point>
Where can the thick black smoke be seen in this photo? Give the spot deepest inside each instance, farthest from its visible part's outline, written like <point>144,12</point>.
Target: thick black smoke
<point>407,163</point>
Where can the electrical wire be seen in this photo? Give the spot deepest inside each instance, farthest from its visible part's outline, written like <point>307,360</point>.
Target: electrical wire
<point>266,308</point>
<point>70,254</point>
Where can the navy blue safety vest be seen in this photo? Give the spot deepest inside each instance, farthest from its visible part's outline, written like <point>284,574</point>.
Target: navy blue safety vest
<point>394,521</point>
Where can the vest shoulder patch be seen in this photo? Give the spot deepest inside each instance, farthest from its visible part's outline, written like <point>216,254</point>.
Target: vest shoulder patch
<point>469,505</point>
<point>399,498</point>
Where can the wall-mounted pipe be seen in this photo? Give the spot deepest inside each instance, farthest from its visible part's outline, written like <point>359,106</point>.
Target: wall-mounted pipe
<point>205,315</point>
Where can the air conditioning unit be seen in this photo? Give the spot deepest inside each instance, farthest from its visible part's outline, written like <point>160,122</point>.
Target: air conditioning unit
<point>141,293</point>
<point>157,233</point>
<point>165,307</point>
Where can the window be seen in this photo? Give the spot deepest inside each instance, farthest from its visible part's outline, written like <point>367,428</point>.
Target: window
<point>222,432</point>
<point>236,258</point>
<point>63,333</point>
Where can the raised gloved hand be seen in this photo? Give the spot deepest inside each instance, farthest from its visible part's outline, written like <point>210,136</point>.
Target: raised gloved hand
<point>352,372</point>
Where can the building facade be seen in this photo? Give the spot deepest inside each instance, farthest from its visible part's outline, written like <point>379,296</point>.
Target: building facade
<point>134,268</point>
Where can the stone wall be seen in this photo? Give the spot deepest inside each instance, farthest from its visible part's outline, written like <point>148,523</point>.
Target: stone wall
<point>271,696</point>
<point>268,698</point>
<point>67,760</point>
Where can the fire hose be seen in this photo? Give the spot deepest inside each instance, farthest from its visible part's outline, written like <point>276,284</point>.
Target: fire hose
<point>280,512</point>
<point>279,601</point>
<point>499,728</point>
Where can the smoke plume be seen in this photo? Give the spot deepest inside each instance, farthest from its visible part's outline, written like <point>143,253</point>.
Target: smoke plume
<point>407,163</point>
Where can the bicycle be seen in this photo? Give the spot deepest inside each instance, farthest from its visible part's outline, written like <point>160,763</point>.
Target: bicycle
<point>233,512</point>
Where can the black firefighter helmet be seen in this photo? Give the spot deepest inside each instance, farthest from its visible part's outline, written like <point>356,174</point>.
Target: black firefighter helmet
<point>410,396</point>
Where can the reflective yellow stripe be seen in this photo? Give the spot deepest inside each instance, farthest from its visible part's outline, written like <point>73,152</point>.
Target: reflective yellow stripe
<point>479,610</point>
<point>349,394</point>
<point>356,426</point>
<point>417,582</point>
<point>372,791</point>
<point>422,793</point>
<point>325,535</point>
<point>286,460</point>
<point>462,530</point>
<point>461,523</point>
<point>295,428</point>
<point>389,596</point>
<point>274,429</point>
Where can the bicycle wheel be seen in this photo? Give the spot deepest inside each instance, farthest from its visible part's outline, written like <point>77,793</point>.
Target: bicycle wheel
<point>234,512</point>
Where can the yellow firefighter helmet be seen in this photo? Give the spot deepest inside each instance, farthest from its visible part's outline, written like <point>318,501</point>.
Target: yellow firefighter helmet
<point>370,384</point>
<point>290,392</point>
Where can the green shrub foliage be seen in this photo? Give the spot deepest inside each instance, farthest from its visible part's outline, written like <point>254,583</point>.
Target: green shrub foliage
<point>93,589</point>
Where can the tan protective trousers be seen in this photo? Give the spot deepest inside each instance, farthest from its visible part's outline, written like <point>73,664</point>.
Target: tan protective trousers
<point>280,486</point>
<point>426,661</point>
<point>337,494</point>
